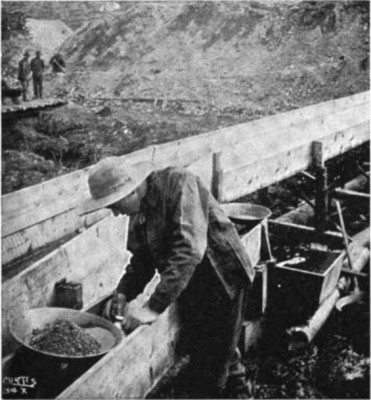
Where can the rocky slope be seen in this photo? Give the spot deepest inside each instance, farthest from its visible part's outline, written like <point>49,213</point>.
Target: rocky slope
<point>243,54</point>
<point>186,67</point>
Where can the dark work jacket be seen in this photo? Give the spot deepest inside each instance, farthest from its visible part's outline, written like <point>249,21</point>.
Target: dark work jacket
<point>24,69</point>
<point>37,67</point>
<point>57,63</point>
<point>181,226</point>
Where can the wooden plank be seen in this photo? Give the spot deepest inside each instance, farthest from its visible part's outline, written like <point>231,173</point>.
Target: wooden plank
<point>96,258</point>
<point>141,155</point>
<point>40,202</point>
<point>132,368</point>
<point>270,126</point>
<point>236,134</point>
<point>249,178</point>
<point>271,141</point>
<point>28,240</point>
<point>180,152</point>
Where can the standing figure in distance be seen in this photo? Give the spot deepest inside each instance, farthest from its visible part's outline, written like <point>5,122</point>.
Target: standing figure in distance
<point>58,63</point>
<point>24,74</point>
<point>37,68</point>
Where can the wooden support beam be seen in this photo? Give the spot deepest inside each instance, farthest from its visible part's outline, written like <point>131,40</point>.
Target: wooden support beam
<point>351,195</point>
<point>355,273</point>
<point>317,155</point>
<point>217,176</point>
<point>321,192</point>
<point>358,184</point>
<point>293,232</point>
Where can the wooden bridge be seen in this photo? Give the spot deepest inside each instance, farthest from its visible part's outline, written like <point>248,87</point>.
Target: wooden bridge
<point>233,162</point>
<point>29,108</point>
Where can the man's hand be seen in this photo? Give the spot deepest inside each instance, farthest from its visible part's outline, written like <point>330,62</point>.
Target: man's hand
<point>115,306</point>
<point>135,316</point>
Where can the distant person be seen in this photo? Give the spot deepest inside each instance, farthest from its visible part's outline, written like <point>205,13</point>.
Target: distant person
<point>24,74</point>
<point>58,64</point>
<point>37,68</point>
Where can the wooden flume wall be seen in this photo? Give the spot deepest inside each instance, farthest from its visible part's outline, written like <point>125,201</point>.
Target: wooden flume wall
<point>251,156</point>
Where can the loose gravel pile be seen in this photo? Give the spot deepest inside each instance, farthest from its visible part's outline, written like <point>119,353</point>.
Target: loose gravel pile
<point>64,338</point>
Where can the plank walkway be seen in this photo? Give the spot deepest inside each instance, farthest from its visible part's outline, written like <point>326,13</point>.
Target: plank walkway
<point>26,107</point>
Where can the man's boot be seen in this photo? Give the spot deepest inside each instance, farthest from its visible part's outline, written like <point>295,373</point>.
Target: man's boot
<point>238,387</point>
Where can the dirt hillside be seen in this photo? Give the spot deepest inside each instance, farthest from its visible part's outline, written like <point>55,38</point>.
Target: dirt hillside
<point>224,54</point>
<point>57,30</point>
<point>150,72</point>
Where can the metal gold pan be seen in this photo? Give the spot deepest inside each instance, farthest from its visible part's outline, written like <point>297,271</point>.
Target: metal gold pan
<point>104,331</point>
<point>245,212</point>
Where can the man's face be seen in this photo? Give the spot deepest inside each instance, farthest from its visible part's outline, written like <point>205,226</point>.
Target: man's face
<point>129,205</point>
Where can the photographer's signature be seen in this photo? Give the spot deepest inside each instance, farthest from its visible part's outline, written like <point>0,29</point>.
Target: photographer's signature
<point>18,384</point>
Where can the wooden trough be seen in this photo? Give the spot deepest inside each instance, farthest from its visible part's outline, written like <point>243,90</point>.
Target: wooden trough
<point>232,162</point>
<point>299,285</point>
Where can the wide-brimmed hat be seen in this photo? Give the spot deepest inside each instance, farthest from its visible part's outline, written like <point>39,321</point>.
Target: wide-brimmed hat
<point>26,54</point>
<point>112,179</point>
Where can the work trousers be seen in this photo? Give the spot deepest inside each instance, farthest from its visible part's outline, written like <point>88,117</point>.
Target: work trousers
<point>38,87</point>
<point>24,85</point>
<point>211,327</point>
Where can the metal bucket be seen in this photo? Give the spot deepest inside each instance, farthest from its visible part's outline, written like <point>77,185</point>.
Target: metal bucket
<point>104,331</point>
<point>246,214</point>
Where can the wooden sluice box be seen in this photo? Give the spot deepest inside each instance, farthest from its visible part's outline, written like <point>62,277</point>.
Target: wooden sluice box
<point>306,272</point>
<point>133,367</point>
